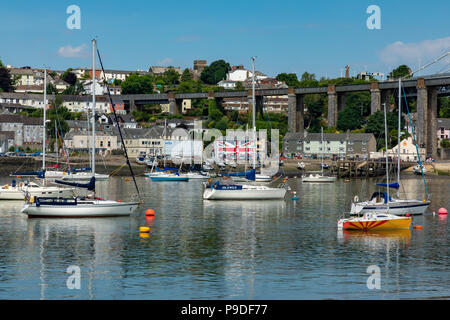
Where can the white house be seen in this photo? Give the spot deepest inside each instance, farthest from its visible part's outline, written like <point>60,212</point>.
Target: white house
<point>408,152</point>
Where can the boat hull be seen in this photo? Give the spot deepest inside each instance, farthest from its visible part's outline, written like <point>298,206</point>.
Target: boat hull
<point>18,194</point>
<point>174,178</point>
<point>244,194</point>
<point>85,177</point>
<point>375,224</point>
<point>399,209</point>
<point>83,209</point>
<point>322,179</point>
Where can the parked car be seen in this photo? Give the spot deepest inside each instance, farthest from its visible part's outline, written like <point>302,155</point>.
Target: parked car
<point>2,154</point>
<point>21,154</point>
<point>36,154</point>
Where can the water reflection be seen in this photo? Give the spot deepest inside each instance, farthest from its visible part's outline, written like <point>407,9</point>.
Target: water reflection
<point>224,249</point>
<point>90,244</point>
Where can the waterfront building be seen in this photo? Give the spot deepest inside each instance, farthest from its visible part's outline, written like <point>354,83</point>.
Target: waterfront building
<point>79,140</point>
<point>28,131</point>
<point>6,140</point>
<point>335,145</point>
<point>443,129</point>
<point>408,151</point>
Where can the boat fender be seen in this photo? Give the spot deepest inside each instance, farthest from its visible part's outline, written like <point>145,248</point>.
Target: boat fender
<point>5,187</point>
<point>356,199</point>
<point>32,199</point>
<point>21,184</point>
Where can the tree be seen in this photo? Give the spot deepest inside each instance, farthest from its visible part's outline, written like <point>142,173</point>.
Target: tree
<point>215,72</point>
<point>350,118</point>
<point>445,143</point>
<point>289,78</point>
<point>51,89</point>
<point>239,86</point>
<point>308,77</point>
<point>137,84</point>
<point>400,72</point>
<point>6,83</point>
<point>444,107</point>
<point>172,77</point>
<point>315,106</point>
<point>375,125</point>
<point>69,77</point>
<point>186,76</point>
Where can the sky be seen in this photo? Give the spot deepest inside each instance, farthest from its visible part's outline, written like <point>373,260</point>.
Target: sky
<point>291,36</point>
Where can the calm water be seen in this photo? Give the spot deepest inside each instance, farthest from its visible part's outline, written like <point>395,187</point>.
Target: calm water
<point>226,250</point>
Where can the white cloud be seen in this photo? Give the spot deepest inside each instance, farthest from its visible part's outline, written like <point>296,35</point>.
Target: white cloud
<point>413,52</point>
<point>74,52</point>
<point>165,62</point>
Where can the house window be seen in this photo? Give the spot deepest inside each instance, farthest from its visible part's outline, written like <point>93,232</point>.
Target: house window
<point>109,143</point>
<point>101,143</point>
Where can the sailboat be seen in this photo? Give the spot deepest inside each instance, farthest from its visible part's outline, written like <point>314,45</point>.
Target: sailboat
<point>319,177</point>
<point>83,206</point>
<point>381,201</point>
<point>22,190</point>
<point>377,219</point>
<point>227,190</point>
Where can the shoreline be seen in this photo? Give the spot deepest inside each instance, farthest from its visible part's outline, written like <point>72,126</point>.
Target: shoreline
<point>118,166</point>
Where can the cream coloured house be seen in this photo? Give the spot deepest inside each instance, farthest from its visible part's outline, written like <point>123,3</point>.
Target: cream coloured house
<point>80,141</point>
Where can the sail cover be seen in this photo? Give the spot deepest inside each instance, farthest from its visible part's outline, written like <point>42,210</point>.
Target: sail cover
<point>90,186</point>
<point>250,175</point>
<point>392,185</point>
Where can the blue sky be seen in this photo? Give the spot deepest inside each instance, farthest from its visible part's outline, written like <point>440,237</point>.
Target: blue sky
<point>286,36</point>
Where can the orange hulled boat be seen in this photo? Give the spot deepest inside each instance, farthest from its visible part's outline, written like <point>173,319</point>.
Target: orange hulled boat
<point>375,221</point>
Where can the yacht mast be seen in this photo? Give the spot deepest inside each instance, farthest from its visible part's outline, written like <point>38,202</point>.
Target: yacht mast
<point>254,112</point>
<point>398,138</point>
<point>321,131</point>
<point>387,162</point>
<point>45,121</point>
<point>93,107</point>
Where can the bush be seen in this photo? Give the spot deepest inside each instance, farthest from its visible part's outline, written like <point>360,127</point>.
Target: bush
<point>445,143</point>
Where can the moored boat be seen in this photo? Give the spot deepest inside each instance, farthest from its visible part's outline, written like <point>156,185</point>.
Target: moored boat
<point>219,191</point>
<point>317,177</point>
<point>381,202</point>
<point>71,208</point>
<point>375,221</point>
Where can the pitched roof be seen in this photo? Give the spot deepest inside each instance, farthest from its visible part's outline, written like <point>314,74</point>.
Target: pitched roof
<point>443,123</point>
<point>17,118</point>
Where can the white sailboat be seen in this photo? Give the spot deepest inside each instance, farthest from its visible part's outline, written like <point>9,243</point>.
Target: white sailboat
<point>22,190</point>
<point>82,207</point>
<point>319,177</point>
<point>382,201</point>
<point>230,191</point>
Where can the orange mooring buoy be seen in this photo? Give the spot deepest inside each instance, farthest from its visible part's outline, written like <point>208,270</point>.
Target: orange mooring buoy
<point>150,212</point>
<point>418,227</point>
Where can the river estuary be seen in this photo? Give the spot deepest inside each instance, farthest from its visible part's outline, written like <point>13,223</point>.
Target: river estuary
<point>226,250</point>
